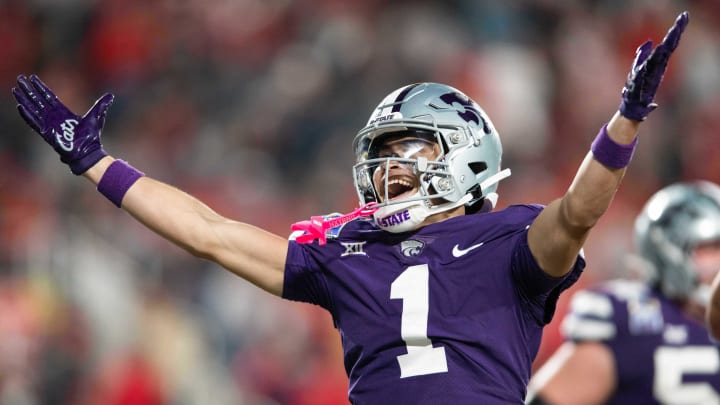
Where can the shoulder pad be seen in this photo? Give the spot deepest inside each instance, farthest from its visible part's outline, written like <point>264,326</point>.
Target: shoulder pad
<point>590,317</point>
<point>627,290</point>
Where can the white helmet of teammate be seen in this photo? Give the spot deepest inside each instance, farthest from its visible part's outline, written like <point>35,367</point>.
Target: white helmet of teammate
<point>466,171</point>
<point>673,222</point>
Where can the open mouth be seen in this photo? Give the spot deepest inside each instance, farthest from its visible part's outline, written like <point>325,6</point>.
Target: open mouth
<point>400,187</point>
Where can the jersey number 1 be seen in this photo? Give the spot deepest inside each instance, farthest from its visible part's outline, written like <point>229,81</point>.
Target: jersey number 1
<point>413,287</point>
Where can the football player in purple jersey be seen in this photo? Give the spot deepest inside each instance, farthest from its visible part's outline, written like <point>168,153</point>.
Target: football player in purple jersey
<point>438,299</point>
<point>642,340</point>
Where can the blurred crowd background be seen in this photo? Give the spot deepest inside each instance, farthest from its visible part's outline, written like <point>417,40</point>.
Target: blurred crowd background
<point>252,105</point>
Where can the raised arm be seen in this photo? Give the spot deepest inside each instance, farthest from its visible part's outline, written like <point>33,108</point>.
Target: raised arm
<point>559,232</point>
<point>251,253</point>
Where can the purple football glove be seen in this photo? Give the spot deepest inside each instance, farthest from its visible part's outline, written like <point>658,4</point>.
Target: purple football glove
<point>647,72</point>
<point>76,139</point>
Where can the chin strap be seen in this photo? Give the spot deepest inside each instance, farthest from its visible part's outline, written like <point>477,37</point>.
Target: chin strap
<point>317,226</point>
<point>492,180</point>
<point>464,200</point>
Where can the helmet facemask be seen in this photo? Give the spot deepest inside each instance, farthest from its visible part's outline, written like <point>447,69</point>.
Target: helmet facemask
<point>405,173</point>
<point>401,165</point>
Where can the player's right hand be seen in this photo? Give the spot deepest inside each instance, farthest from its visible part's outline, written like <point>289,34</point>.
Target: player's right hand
<point>76,139</point>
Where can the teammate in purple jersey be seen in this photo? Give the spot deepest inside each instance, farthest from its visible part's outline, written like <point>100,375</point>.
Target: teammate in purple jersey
<point>438,300</point>
<point>643,341</point>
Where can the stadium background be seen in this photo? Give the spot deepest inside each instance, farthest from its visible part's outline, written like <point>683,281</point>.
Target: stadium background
<point>252,105</point>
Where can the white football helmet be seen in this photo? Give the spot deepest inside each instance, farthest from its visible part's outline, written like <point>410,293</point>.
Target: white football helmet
<point>466,172</point>
<point>673,222</point>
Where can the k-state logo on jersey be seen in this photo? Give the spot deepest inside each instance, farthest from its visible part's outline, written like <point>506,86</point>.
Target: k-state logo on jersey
<point>411,247</point>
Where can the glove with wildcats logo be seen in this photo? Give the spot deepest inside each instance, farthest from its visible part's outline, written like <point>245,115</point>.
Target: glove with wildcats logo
<point>647,72</point>
<point>76,139</point>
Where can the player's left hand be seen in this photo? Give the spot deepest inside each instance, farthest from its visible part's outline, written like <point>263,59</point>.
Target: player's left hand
<point>76,139</point>
<point>647,72</point>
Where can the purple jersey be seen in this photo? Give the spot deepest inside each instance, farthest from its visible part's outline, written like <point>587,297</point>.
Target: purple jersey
<point>449,314</point>
<point>661,355</point>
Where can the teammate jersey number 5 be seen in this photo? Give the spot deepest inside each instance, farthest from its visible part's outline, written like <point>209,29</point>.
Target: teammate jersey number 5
<point>670,365</point>
<point>413,287</point>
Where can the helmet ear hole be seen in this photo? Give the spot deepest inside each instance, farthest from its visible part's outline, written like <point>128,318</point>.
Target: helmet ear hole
<point>477,167</point>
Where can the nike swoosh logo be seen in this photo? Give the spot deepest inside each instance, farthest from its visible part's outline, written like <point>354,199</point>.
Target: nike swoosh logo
<point>457,252</point>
